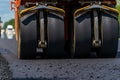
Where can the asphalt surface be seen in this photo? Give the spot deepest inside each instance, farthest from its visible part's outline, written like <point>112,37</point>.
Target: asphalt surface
<point>57,69</point>
<point>5,73</point>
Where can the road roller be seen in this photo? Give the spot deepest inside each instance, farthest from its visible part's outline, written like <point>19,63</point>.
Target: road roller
<point>66,28</point>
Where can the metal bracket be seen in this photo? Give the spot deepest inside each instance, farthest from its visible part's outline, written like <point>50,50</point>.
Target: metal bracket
<point>43,7</point>
<point>96,41</point>
<point>94,6</point>
<point>42,44</point>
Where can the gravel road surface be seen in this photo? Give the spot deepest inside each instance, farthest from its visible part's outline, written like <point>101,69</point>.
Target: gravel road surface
<point>5,73</point>
<point>52,69</point>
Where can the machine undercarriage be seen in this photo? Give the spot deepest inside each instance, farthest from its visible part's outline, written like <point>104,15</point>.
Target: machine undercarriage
<point>66,28</point>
